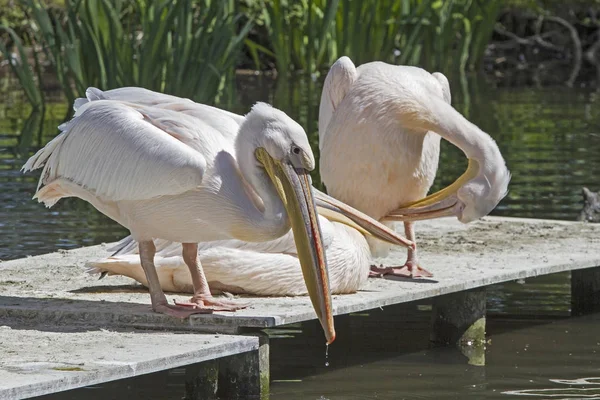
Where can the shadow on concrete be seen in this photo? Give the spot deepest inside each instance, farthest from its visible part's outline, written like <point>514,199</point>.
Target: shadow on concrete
<point>111,289</point>
<point>62,315</point>
<point>410,280</point>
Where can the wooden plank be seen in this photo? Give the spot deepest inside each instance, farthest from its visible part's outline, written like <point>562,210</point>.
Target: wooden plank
<point>53,289</point>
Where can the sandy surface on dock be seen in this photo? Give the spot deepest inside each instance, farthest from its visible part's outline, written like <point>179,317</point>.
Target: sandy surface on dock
<point>55,286</point>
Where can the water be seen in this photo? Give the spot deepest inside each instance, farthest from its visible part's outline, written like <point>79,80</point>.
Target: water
<point>551,140</point>
<point>523,355</point>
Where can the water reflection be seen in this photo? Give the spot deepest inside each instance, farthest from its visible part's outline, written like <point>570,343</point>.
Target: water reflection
<point>388,359</point>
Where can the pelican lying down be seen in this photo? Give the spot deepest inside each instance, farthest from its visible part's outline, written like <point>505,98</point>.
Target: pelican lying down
<point>264,269</point>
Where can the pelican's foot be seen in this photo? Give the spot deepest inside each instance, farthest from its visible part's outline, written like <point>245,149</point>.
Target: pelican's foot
<point>408,270</point>
<point>212,303</point>
<point>180,311</point>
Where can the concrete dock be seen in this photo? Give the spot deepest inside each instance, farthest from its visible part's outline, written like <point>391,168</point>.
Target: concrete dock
<point>36,361</point>
<point>53,289</point>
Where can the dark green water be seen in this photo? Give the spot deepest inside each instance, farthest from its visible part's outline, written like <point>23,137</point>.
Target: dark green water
<point>551,140</point>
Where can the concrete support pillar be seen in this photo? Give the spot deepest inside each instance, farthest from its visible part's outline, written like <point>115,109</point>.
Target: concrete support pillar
<point>246,375</point>
<point>459,320</point>
<point>201,380</point>
<point>241,376</point>
<point>585,291</point>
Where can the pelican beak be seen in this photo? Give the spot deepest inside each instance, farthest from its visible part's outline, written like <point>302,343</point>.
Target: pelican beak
<point>436,205</point>
<point>335,210</point>
<point>294,187</point>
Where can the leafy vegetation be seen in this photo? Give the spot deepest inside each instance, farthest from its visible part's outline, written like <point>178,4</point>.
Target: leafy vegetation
<point>191,48</point>
<point>184,48</point>
<point>310,35</point>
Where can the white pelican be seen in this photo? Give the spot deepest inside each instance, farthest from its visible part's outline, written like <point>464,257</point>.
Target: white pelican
<point>379,138</point>
<point>146,160</point>
<point>163,174</point>
<point>264,269</point>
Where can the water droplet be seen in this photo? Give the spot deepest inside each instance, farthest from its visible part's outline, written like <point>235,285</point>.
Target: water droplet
<point>326,355</point>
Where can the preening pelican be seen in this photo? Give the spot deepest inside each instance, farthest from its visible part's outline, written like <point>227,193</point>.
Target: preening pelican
<point>264,269</point>
<point>164,174</point>
<point>379,136</point>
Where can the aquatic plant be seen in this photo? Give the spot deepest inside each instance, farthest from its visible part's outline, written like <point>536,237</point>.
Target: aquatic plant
<point>23,69</point>
<point>301,33</point>
<point>435,34</point>
<point>180,47</point>
<point>191,48</point>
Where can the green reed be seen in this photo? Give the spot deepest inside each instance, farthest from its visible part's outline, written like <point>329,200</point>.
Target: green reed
<point>191,48</point>
<point>27,74</point>
<point>301,33</point>
<point>180,47</point>
<point>445,35</point>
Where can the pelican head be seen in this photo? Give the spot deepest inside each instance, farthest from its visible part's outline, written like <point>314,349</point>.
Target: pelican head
<point>479,196</point>
<point>472,196</point>
<point>282,153</point>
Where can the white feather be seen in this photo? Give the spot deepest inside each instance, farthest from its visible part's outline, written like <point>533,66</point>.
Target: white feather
<point>129,150</point>
<point>340,78</point>
<point>379,143</point>
<point>268,268</point>
<point>166,167</point>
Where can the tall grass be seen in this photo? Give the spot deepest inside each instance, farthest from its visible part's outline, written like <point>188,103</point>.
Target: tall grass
<point>190,48</point>
<point>179,47</point>
<point>300,33</point>
<point>22,68</point>
<point>444,35</point>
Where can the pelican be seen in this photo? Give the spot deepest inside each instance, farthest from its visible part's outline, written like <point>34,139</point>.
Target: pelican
<point>145,160</point>
<point>264,269</point>
<point>162,175</point>
<point>379,139</point>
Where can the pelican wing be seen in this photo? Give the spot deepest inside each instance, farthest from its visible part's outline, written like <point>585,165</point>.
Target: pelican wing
<point>223,121</point>
<point>118,153</point>
<point>166,248</point>
<point>444,85</point>
<point>337,84</point>
<point>248,268</point>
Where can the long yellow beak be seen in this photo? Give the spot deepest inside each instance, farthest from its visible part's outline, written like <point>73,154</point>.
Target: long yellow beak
<point>335,210</point>
<point>436,205</point>
<point>294,188</point>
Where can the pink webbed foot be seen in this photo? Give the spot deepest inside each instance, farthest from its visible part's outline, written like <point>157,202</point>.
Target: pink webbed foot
<point>211,303</point>
<point>179,311</point>
<point>408,270</point>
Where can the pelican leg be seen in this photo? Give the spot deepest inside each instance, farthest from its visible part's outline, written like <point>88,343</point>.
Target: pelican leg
<point>202,298</point>
<point>411,261</point>
<point>411,268</point>
<point>157,296</point>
